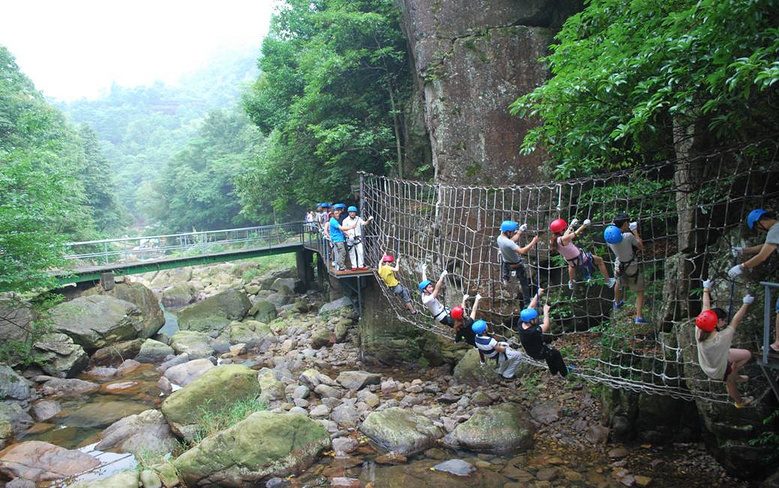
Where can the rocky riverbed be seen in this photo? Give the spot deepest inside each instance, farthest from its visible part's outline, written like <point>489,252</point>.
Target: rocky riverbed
<point>314,413</point>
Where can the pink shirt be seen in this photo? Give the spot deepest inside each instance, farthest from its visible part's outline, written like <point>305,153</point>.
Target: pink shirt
<point>568,251</point>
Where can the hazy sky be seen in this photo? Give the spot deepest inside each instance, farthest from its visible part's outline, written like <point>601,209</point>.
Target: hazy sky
<point>76,48</point>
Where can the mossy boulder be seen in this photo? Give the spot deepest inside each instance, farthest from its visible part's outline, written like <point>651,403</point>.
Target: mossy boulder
<point>196,344</point>
<point>262,446</point>
<point>144,299</point>
<point>58,355</point>
<point>216,390</point>
<point>501,429</point>
<point>215,313</point>
<point>178,295</point>
<point>264,311</point>
<point>400,430</point>
<point>97,321</point>
<point>250,332</point>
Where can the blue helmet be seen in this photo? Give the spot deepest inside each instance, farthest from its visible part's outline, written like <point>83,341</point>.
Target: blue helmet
<point>351,209</point>
<point>325,205</point>
<point>339,205</point>
<point>612,234</point>
<point>528,314</point>
<point>508,226</point>
<point>479,327</point>
<point>754,216</point>
<point>424,284</point>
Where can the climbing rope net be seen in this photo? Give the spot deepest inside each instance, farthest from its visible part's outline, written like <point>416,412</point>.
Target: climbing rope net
<point>690,213</point>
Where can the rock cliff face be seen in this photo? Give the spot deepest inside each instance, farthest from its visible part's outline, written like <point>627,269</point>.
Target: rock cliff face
<point>471,60</point>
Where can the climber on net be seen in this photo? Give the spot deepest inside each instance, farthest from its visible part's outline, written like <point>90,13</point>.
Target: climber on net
<point>354,244</point>
<point>531,335</point>
<point>562,243</point>
<point>430,298</point>
<point>717,359</point>
<point>624,240</point>
<point>507,359</point>
<point>462,323</point>
<point>336,231</point>
<point>762,221</point>
<point>511,255</point>
<point>387,274</point>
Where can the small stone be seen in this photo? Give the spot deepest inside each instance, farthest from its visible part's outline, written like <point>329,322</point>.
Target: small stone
<point>643,480</point>
<point>320,411</point>
<point>342,482</point>
<point>150,479</point>
<point>618,453</point>
<point>344,445</point>
<point>547,474</point>
<point>391,458</point>
<point>457,467</point>
<point>44,410</point>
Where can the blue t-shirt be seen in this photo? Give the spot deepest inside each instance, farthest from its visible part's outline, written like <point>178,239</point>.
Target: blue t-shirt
<point>336,234</point>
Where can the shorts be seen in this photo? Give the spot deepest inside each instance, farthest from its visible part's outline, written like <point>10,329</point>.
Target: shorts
<point>402,292</point>
<point>728,370</point>
<point>631,278</point>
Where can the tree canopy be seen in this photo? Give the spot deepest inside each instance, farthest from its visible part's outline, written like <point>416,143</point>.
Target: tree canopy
<point>329,96</point>
<point>626,72</point>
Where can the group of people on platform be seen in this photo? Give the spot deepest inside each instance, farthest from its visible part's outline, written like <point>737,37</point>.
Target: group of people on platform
<point>715,335</point>
<point>342,229</point>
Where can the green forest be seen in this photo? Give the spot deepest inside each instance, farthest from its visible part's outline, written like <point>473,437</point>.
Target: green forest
<point>259,137</point>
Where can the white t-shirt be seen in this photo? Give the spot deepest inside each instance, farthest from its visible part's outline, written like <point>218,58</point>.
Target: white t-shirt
<point>357,231</point>
<point>773,236</point>
<point>433,305</point>
<point>508,249</point>
<point>713,353</point>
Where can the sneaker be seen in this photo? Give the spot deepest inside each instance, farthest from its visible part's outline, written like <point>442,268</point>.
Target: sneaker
<point>617,306</point>
<point>570,285</point>
<point>640,320</point>
<point>746,401</point>
<point>354,268</point>
<point>363,268</point>
<point>612,282</point>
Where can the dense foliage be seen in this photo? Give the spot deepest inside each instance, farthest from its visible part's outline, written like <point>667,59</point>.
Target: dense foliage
<point>626,72</point>
<point>54,182</point>
<point>334,75</point>
<point>196,189</point>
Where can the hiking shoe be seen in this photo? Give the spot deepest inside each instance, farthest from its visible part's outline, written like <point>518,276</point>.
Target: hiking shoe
<point>617,306</point>
<point>640,320</point>
<point>746,401</point>
<point>612,282</point>
<point>570,285</point>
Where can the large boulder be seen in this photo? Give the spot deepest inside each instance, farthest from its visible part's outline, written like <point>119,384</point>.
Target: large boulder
<point>468,370</point>
<point>97,321</point>
<point>13,421</point>
<point>146,432</point>
<point>335,305</point>
<point>263,311</point>
<point>178,295</point>
<point>144,299</point>
<point>117,352</point>
<point>153,352</point>
<point>215,390</point>
<point>12,386</point>
<point>272,389</point>
<point>16,319</point>
<point>356,380</point>
<point>502,428</point>
<point>40,462</point>
<point>71,387</point>
<point>184,374</point>
<point>195,344</point>
<point>58,355</point>
<point>399,430</point>
<point>250,332</point>
<point>215,313</point>
<point>262,446</point>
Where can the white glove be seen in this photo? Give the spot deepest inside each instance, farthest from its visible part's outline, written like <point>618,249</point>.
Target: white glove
<point>523,227</point>
<point>444,273</point>
<point>633,226</point>
<point>707,284</point>
<point>736,251</point>
<point>748,300</point>
<point>370,218</point>
<point>575,222</point>
<point>478,297</point>
<point>466,296</point>
<point>735,271</point>
<point>587,222</point>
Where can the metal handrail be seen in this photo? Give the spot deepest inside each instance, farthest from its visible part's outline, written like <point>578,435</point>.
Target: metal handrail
<point>767,318</point>
<point>120,250</point>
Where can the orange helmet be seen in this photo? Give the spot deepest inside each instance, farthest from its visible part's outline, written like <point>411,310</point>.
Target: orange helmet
<point>457,313</point>
<point>707,320</point>
<point>558,225</point>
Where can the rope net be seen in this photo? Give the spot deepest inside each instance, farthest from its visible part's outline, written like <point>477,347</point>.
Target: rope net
<point>690,213</point>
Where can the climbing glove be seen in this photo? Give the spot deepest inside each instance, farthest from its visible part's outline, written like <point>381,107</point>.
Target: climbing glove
<point>633,226</point>
<point>748,300</point>
<point>735,271</point>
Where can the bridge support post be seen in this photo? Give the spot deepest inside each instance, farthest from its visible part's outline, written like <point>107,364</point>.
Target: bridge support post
<point>304,260</point>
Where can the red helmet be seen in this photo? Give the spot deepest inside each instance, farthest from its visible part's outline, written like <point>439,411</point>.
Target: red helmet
<point>457,313</point>
<point>707,320</point>
<point>558,225</point>
<point>387,259</point>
